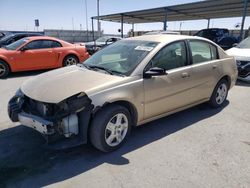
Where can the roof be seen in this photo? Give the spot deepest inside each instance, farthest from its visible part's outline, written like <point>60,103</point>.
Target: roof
<point>209,9</point>
<point>65,43</point>
<point>42,37</point>
<point>166,38</point>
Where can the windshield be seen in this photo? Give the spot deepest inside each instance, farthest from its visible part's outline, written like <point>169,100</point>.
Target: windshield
<point>244,44</point>
<point>16,45</point>
<point>7,37</point>
<point>102,39</point>
<point>121,57</point>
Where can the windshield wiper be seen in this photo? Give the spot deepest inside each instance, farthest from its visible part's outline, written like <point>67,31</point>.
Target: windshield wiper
<point>101,68</point>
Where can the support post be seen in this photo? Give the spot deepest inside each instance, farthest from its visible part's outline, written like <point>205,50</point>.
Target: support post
<point>93,30</point>
<point>208,23</point>
<point>121,25</point>
<point>98,19</point>
<point>243,19</point>
<point>165,20</point>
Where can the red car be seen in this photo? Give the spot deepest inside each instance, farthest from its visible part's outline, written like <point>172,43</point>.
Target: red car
<point>40,52</point>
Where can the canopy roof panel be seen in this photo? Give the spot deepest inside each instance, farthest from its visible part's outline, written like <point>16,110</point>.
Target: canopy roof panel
<point>209,9</point>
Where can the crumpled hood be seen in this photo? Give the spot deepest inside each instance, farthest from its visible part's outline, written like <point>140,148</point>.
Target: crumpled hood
<point>57,85</point>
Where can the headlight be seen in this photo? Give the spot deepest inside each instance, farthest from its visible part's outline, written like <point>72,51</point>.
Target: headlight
<point>75,103</point>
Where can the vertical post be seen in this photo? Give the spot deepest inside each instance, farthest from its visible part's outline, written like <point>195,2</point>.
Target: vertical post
<point>98,19</point>
<point>87,27</point>
<point>121,25</point>
<point>165,20</point>
<point>243,19</point>
<point>93,30</point>
<point>208,23</point>
<point>133,29</point>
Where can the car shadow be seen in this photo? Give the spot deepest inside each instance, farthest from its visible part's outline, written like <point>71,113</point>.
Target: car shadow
<point>23,157</point>
<point>242,83</point>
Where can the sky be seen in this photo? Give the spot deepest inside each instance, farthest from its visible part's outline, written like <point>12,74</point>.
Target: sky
<point>71,14</point>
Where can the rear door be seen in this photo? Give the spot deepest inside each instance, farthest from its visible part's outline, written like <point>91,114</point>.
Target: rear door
<point>38,54</point>
<point>205,67</point>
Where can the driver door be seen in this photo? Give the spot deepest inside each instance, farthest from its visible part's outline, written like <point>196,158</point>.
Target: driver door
<point>169,92</point>
<point>37,54</point>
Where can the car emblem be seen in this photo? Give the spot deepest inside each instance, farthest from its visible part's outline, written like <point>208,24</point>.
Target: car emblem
<point>238,63</point>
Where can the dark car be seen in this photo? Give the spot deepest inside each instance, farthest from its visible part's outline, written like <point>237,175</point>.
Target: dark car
<point>100,43</point>
<point>220,36</point>
<point>2,34</point>
<point>8,39</point>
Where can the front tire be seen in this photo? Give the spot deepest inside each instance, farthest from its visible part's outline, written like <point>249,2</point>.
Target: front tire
<point>219,95</point>
<point>4,69</point>
<point>110,128</point>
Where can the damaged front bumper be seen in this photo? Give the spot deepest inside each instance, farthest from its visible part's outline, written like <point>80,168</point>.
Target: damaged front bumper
<point>63,125</point>
<point>41,125</point>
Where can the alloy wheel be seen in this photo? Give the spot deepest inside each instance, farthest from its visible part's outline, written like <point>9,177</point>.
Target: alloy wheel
<point>221,93</point>
<point>116,129</point>
<point>71,61</point>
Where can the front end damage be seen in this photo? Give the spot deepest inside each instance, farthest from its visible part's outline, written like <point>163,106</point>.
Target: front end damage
<point>63,125</point>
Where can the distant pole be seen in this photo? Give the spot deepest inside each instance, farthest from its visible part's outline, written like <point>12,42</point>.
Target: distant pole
<point>243,19</point>
<point>180,26</point>
<point>93,30</point>
<point>73,26</point>
<point>98,19</point>
<point>87,27</point>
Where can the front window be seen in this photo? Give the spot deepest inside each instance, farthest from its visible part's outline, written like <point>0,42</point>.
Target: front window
<point>244,44</point>
<point>102,39</point>
<point>171,57</point>
<point>121,57</point>
<point>17,44</point>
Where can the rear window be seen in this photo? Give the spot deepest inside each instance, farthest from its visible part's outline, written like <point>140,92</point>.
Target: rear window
<point>202,51</point>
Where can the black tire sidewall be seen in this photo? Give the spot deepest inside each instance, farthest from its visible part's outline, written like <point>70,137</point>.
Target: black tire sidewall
<point>213,101</point>
<point>7,69</point>
<point>99,123</point>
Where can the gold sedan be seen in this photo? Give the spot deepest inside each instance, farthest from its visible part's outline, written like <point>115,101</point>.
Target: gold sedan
<point>128,83</point>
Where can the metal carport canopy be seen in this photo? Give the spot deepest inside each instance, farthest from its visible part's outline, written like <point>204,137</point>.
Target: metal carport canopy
<point>209,9</point>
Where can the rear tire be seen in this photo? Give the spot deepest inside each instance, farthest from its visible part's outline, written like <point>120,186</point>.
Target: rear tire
<point>4,69</point>
<point>219,95</point>
<point>70,60</point>
<point>110,128</point>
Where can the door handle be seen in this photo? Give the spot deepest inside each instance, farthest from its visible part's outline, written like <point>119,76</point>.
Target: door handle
<point>185,75</point>
<point>214,66</point>
<point>50,51</point>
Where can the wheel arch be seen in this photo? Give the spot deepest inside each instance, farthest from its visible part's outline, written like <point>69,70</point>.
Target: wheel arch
<point>71,54</point>
<point>128,105</point>
<point>227,78</point>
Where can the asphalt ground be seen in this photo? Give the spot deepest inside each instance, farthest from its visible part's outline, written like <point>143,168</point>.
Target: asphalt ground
<point>198,147</point>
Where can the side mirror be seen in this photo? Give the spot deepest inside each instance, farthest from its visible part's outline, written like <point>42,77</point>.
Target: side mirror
<point>109,41</point>
<point>23,49</point>
<point>235,44</point>
<point>155,71</point>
